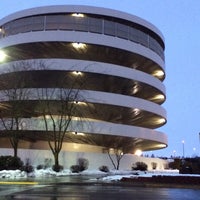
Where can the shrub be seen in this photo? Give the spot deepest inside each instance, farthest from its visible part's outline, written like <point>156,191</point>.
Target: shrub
<point>75,168</point>
<point>40,167</point>
<point>104,168</point>
<point>27,168</point>
<point>47,164</point>
<point>154,165</point>
<point>83,164</point>
<point>139,166</point>
<point>10,163</point>
<point>57,168</point>
<point>186,165</point>
<point>176,164</point>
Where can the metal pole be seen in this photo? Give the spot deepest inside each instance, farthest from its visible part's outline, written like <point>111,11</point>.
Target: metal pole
<point>199,144</point>
<point>183,142</point>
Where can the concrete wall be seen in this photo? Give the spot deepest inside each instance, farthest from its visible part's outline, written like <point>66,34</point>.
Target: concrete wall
<point>96,160</point>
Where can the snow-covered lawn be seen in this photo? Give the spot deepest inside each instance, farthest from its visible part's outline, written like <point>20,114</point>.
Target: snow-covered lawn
<point>113,175</point>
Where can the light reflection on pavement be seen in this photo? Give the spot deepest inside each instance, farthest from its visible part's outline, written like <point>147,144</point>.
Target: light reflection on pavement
<point>99,192</point>
<point>81,188</point>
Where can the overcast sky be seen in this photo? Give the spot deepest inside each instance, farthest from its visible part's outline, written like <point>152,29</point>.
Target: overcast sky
<point>179,21</point>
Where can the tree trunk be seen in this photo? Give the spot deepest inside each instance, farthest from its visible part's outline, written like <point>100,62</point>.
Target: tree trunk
<point>116,161</point>
<point>112,160</point>
<point>118,165</point>
<point>15,151</point>
<point>56,166</point>
<point>56,158</point>
<point>14,142</point>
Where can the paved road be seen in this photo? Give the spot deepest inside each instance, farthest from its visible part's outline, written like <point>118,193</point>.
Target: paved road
<point>96,192</point>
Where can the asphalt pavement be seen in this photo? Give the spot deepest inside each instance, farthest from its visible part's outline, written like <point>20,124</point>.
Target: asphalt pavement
<point>89,188</point>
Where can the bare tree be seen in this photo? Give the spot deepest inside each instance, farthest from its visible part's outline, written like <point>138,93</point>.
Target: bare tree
<point>117,148</point>
<point>13,92</point>
<point>118,154</point>
<point>58,107</point>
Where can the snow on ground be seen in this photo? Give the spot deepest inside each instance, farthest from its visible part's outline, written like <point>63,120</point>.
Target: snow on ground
<point>44,173</point>
<point>134,174</point>
<point>113,175</point>
<point>12,174</point>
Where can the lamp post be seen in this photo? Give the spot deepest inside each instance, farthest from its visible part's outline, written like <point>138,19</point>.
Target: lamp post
<point>199,145</point>
<point>174,153</point>
<point>194,152</point>
<point>183,143</point>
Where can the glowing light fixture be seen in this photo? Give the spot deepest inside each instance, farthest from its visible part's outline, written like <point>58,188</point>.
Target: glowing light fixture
<point>138,152</point>
<point>79,45</point>
<point>80,102</point>
<point>161,145</point>
<point>158,73</point>
<point>1,30</point>
<point>136,111</point>
<point>78,15</point>
<point>78,133</point>
<point>136,88</point>
<point>47,116</point>
<point>77,72</point>
<point>159,96</point>
<point>161,120</point>
<point>2,56</point>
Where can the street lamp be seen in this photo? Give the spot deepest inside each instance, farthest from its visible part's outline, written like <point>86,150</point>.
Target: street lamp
<point>174,153</point>
<point>194,152</point>
<point>183,143</point>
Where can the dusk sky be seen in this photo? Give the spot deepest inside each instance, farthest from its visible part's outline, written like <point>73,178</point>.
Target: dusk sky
<point>179,22</point>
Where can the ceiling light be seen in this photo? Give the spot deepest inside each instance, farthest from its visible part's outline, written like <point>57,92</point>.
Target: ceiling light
<point>136,88</point>
<point>136,111</point>
<point>159,96</point>
<point>77,72</point>
<point>158,73</point>
<point>80,102</point>
<point>78,15</point>
<point>78,133</point>
<point>138,152</point>
<point>78,45</point>
<point>161,145</point>
<point>2,56</point>
<point>161,121</point>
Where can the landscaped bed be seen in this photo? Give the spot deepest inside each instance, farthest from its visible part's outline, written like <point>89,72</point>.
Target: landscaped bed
<point>165,181</point>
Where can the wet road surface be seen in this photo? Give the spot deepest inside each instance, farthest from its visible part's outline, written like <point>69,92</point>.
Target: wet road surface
<point>86,188</point>
<point>97,192</point>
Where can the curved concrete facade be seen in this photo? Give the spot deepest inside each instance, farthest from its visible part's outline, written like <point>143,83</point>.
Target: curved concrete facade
<point>121,61</point>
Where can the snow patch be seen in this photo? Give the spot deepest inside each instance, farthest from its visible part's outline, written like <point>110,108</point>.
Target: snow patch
<point>13,174</point>
<point>113,175</point>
